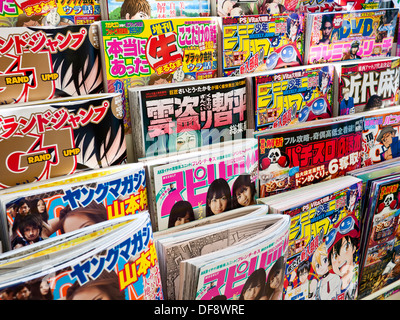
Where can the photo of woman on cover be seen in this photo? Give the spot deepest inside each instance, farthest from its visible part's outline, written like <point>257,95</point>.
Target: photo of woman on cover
<point>218,197</point>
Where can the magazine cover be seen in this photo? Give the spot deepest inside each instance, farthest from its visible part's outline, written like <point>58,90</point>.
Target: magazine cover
<point>261,42</point>
<point>156,51</point>
<point>234,273</point>
<point>367,85</point>
<point>169,119</point>
<point>144,9</point>
<point>381,263</point>
<point>52,211</point>
<point>41,63</point>
<point>381,135</point>
<point>293,95</point>
<point>317,267</point>
<point>311,6</point>
<point>350,35</point>
<point>28,13</point>
<point>234,8</point>
<point>55,138</point>
<point>109,269</point>
<point>203,184</point>
<point>172,248</point>
<point>291,159</point>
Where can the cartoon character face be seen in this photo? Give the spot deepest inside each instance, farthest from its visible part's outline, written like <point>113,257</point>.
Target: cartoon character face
<point>274,155</point>
<point>388,199</point>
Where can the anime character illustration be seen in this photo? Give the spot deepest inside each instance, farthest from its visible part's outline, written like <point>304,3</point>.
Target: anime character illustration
<point>181,213</point>
<point>392,269</point>
<point>218,197</point>
<point>342,247</point>
<point>186,140</point>
<point>301,290</point>
<point>135,9</point>
<point>255,286</point>
<point>327,287</point>
<point>29,21</point>
<point>352,53</point>
<point>347,103</point>
<point>243,192</point>
<point>292,27</point>
<point>270,7</point>
<point>390,143</point>
<point>324,82</point>
<point>274,162</point>
<point>326,29</point>
<point>352,198</point>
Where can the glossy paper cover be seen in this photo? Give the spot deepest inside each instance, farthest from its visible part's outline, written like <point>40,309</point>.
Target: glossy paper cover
<point>350,35</point>
<point>299,95</point>
<point>261,42</point>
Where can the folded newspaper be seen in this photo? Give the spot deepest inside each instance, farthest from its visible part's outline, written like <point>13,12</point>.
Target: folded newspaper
<point>118,262</point>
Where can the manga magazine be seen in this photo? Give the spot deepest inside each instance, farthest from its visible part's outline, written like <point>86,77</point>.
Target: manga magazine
<point>292,95</point>
<point>317,267</point>
<point>119,265</point>
<point>202,183</point>
<point>311,6</point>
<point>156,51</point>
<point>367,85</point>
<point>297,156</point>
<point>233,272</point>
<point>41,63</point>
<point>381,240</point>
<point>208,237</point>
<point>28,13</point>
<point>349,35</point>
<point>381,135</point>
<point>261,42</point>
<point>46,139</point>
<point>53,210</point>
<point>144,9</point>
<point>168,119</point>
<point>236,8</point>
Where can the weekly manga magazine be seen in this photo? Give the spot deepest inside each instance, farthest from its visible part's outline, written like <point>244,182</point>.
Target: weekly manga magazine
<point>349,35</point>
<point>261,42</point>
<point>24,13</point>
<point>367,85</point>
<point>296,156</point>
<point>51,138</point>
<point>380,263</point>
<point>168,119</point>
<point>197,181</point>
<point>144,9</point>
<point>297,94</point>
<point>317,267</point>
<point>41,63</point>
<point>115,262</point>
<point>53,208</point>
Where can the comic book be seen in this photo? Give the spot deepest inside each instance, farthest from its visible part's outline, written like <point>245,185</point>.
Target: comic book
<point>171,247</point>
<point>233,8</point>
<point>201,183</point>
<point>233,272</point>
<point>28,13</point>
<point>59,209</point>
<point>287,96</point>
<point>366,85</point>
<point>325,218</point>
<point>144,9</point>
<point>311,6</point>
<point>380,135</point>
<point>299,155</point>
<point>156,51</point>
<point>59,137</point>
<point>167,119</point>
<point>109,267</point>
<point>380,264</point>
<point>41,63</point>
<point>349,35</point>
<point>261,42</point>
